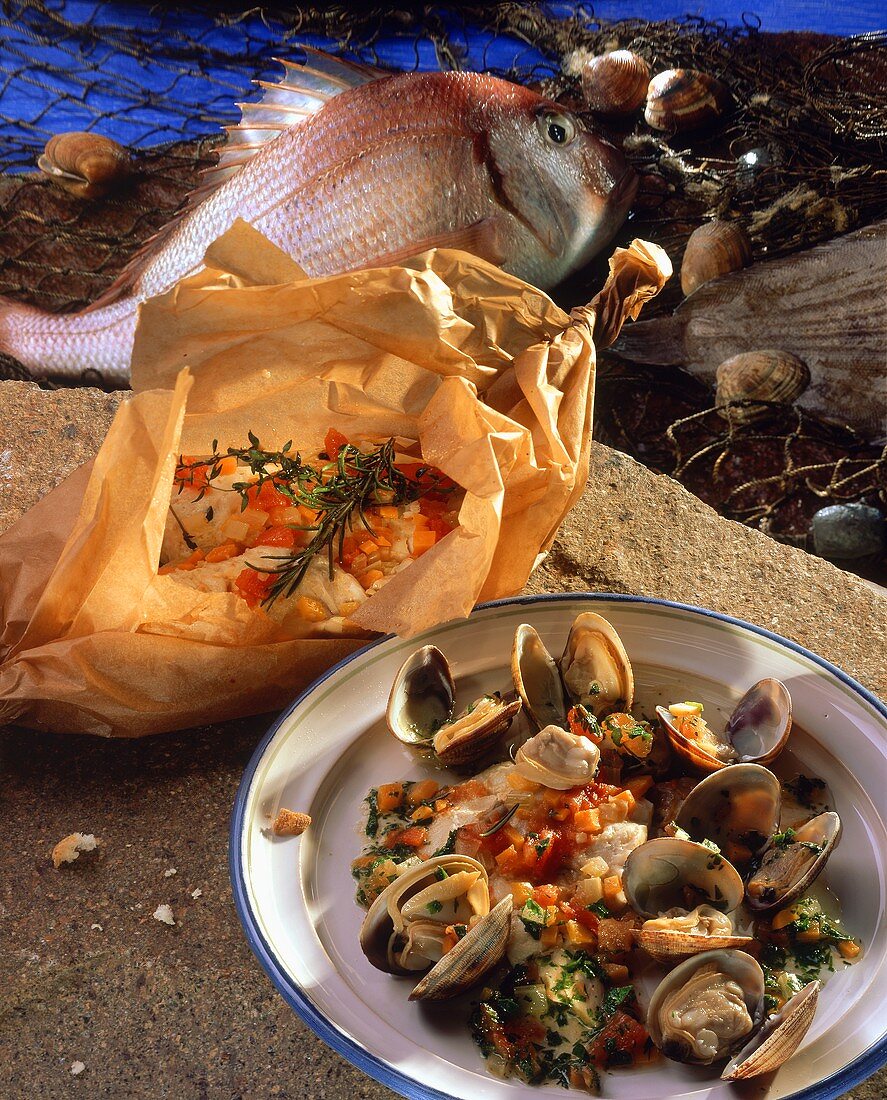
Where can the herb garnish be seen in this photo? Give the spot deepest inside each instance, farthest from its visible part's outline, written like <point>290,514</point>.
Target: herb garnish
<point>339,491</point>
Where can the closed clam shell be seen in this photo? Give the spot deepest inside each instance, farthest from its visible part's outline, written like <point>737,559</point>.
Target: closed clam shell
<point>615,83</point>
<point>473,956</point>
<point>87,165</point>
<point>779,1038</point>
<point>766,375</point>
<point>684,99</point>
<point>714,249</point>
<point>671,947</point>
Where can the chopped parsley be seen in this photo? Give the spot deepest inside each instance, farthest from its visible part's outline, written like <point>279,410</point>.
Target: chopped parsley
<point>533,918</point>
<point>434,906</point>
<point>372,801</point>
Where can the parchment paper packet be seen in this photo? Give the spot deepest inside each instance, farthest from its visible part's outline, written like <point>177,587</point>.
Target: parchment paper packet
<point>494,381</point>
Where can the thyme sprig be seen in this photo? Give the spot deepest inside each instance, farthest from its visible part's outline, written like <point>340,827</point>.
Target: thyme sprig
<point>339,491</point>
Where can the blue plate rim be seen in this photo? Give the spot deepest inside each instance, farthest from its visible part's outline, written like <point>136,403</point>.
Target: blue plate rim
<point>830,1088</point>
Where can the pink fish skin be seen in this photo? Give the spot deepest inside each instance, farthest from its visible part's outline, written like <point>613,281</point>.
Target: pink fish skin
<point>369,173</point>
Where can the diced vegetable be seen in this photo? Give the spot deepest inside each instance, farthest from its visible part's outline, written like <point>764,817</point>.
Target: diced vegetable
<point>390,797</point>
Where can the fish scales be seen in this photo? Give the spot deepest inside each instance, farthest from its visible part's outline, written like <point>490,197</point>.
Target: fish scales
<point>826,305</point>
<point>379,171</point>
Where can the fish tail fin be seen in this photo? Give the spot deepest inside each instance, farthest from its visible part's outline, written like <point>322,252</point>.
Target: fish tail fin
<point>659,340</point>
<point>37,344</point>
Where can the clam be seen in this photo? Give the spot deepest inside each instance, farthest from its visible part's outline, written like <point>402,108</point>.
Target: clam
<point>615,83</point>
<point>669,873</point>
<point>537,679</point>
<point>558,759</point>
<point>420,711</point>
<point>88,165</point>
<point>405,927</point>
<point>768,375</point>
<point>679,934</point>
<point>791,861</point>
<point>479,950</point>
<point>595,668</point>
<point>707,1006</point>
<point>773,1044</point>
<point>756,731</point>
<point>684,99</point>
<point>737,808</point>
<point>714,249</point>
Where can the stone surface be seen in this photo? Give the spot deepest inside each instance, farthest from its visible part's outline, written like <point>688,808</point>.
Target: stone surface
<point>87,975</point>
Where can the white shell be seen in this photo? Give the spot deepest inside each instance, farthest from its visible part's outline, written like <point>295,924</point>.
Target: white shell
<point>779,1038</point>
<point>657,873</point>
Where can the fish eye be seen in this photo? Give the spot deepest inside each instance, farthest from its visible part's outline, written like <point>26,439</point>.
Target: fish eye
<point>557,129</point>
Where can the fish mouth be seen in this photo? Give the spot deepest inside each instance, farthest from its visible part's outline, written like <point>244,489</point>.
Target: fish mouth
<point>625,189</point>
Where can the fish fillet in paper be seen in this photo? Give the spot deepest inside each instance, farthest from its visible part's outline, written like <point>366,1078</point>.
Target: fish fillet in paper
<point>827,305</point>
<point>343,166</point>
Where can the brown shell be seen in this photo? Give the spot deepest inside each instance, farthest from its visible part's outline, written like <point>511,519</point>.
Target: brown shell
<point>684,99</point>
<point>87,165</point>
<point>765,375</point>
<point>472,957</point>
<point>671,947</point>
<point>778,1039</point>
<point>615,83</point>
<point>475,743</point>
<point>714,249</point>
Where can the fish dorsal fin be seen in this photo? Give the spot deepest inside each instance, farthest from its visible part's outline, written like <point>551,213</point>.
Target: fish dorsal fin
<point>300,93</point>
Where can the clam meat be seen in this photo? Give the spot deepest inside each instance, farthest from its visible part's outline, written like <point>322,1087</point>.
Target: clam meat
<point>707,1006</point>
<point>558,759</point>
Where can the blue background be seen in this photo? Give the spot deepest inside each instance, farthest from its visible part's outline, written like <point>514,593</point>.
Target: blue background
<point>86,79</point>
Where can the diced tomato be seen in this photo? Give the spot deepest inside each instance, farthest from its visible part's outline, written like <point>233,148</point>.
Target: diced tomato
<point>350,550</point>
<point>278,536</point>
<point>439,526</point>
<point>427,477</point>
<point>620,1042</point>
<point>229,549</point>
<point>253,586</point>
<point>413,837</point>
<point>334,442</point>
<point>189,475</point>
<point>470,789</point>
<point>266,496</point>
<point>545,895</point>
<point>586,918</point>
<point>548,859</point>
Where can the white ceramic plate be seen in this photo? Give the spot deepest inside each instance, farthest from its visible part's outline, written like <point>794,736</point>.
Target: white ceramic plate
<point>295,897</point>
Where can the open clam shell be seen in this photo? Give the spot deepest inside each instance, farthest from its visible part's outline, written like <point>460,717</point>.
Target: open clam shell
<point>788,867</point>
<point>473,956</point>
<point>670,873</point>
<point>779,1038</point>
<point>422,696</point>
<point>736,807</point>
<point>537,679</point>
<point>474,733</point>
<point>700,992</point>
<point>595,668</point>
<point>404,928</point>
<point>756,731</point>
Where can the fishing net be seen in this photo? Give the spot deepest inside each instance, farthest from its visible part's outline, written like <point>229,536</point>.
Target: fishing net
<point>801,157</point>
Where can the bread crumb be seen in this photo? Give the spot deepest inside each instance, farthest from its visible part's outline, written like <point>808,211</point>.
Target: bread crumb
<point>169,872</point>
<point>69,849</point>
<point>164,913</point>
<point>96,928</point>
<point>77,1068</point>
<point>198,893</point>
<point>290,823</point>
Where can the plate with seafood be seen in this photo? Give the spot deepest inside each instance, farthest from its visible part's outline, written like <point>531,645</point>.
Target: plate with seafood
<point>603,843</point>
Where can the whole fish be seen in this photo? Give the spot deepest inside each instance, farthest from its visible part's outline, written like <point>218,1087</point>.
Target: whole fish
<point>827,305</point>
<point>343,166</point>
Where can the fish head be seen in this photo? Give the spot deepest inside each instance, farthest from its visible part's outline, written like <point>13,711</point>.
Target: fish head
<point>569,188</point>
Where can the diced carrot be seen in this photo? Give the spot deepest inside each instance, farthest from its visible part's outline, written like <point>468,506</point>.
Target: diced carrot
<point>423,540</point>
<point>640,785</point>
<point>266,495</point>
<point>334,442</point>
<point>549,936</point>
<point>520,784</point>
<point>507,860</point>
<point>222,553</point>
<point>165,570</point>
<point>389,797</point>
<point>227,465</point>
<point>587,821</point>
<point>626,797</point>
<point>368,546</point>
<point>309,515</point>
<point>422,813</point>
<point>414,837</point>
<point>371,577</point>
<point>440,805</point>
<point>545,895</point>
<point>278,536</point>
<point>419,520</point>
<point>387,511</point>
<point>311,610</point>
<point>191,562</point>
<point>381,541</point>
<point>422,791</point>
<point>514,837</point>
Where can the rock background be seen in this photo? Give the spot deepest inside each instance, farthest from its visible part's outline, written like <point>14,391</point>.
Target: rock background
<point>87,975</point>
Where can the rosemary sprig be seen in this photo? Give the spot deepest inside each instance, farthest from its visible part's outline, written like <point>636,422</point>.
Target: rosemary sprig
<point>339,492</point>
